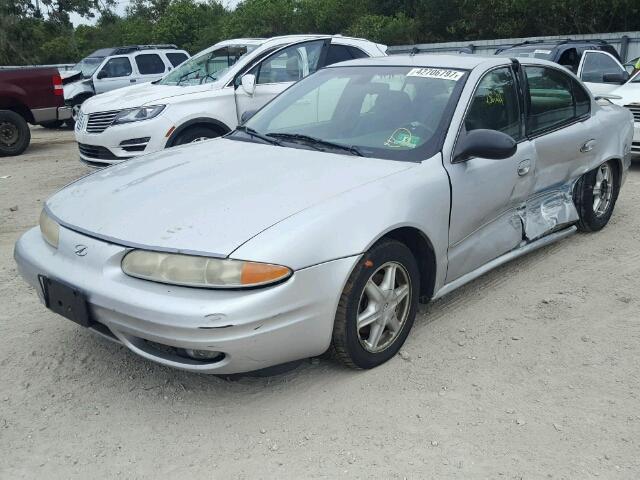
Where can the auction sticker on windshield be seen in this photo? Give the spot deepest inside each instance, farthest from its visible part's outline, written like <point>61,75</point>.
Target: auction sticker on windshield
<point>442,73</point>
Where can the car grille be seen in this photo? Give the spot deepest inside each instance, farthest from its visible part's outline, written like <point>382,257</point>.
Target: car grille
<point>97,152</point>
<point>635,109</point>
<point>635,148</point>
<point>98,122</point>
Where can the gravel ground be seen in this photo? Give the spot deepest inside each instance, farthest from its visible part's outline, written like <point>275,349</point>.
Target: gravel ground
<point>530,372</point>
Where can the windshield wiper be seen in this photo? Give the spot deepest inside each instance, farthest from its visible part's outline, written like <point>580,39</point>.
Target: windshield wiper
<point>253,133</point>
<point>353,150</point>
<point>186,75</point>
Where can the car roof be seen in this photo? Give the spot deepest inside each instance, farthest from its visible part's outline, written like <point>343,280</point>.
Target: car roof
<point>462,61</point>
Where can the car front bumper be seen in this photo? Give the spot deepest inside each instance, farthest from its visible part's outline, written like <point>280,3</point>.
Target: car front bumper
<point>119,142</point>
<point>254,329</point>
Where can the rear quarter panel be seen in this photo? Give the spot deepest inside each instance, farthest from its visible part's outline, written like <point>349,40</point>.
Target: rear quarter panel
<point>29,87</point>
<point>615,134</point>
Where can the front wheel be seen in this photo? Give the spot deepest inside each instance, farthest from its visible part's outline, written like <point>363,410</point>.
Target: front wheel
<point>195,134</point>
<point>595,196</point>
<point>14,134</point>
<point>377,307</point>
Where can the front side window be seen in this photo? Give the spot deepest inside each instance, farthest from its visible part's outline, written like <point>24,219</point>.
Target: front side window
<point>495,104</point>
<point>116,67</point>
<point>399,113</point>
<point>291,64</point>
<point>550,99</point>
<point>596,65</point>
<point>207,67</point>
<point>149,64</point>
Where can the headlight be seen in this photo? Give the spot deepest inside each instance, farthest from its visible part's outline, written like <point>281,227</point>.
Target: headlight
<point>194,271</point>
<point>50,229</point>
<point>138,114</point>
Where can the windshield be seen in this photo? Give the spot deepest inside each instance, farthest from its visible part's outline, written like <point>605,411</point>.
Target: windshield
<point>539,51</point>
<point>399,113</point>
<point>88,65</point>
<point>207,67</point>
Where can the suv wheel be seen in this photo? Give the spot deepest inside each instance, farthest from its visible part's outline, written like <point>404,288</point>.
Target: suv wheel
<point>195,134</point>
<point>14,134</point>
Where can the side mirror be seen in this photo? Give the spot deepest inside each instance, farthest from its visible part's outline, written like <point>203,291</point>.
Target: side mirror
<point>617,78</point>
<point>483,143</point>
<point>101,74</point>
<point>244,118</point>
<point>249,83</point>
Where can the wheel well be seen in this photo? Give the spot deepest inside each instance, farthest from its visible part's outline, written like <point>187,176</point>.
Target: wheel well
<point>422,250</point>
<point>21,110</point>
<point>206,123</point>
<point>81,97</point>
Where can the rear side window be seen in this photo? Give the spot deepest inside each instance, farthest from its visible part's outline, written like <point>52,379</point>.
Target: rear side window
<point>176,58</point>
<point>550,99</point>
<point>582,99</point>
<point>342,53</point>
<point>149,63</point>
<point>495,104</point>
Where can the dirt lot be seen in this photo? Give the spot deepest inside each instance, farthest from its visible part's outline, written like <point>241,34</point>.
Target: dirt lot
<point>529,372</point>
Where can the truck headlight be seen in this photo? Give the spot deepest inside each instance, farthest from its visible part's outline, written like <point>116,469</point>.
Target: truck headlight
<point>138,114</point>
<point>50,229</point>
<point>196,271</point>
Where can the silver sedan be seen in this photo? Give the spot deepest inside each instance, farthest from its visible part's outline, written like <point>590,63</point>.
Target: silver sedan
<point>321,222</point>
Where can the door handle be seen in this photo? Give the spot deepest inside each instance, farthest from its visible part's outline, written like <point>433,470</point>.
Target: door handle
<point>132,80</point>
<point>588,145</point>
<point>524,167</point>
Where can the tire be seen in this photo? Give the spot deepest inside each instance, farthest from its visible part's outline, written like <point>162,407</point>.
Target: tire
<point>595,196</point>
<point>195,134</point>
<point>14,134</point>
<point>357,347</point>
<point>52,124</point>
<point>75,108</point>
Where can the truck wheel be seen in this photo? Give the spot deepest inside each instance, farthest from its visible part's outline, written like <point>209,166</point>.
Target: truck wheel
<point>195,134</point>
<point>14,134</point>
<point>595,195</point>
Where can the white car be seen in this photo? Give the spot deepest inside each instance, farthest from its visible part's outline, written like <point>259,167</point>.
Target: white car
<point>207,95</point>
<point>110,68</point>
<point>630,98</point>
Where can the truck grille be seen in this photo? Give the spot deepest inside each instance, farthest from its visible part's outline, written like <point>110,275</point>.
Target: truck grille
<point>635,109</point>
<point>98,122</point>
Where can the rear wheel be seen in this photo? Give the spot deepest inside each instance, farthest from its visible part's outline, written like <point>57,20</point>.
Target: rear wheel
<point>377,307</point>
<point>195,134</point>
<point>595,196</point>
<point>14,134</point>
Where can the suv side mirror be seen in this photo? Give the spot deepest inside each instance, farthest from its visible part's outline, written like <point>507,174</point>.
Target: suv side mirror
<point>618,78</point>
<point>101,74</point>
<point>483,143</point>
<point>249,83</point>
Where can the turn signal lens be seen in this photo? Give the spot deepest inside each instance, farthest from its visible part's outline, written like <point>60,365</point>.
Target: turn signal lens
<point>196,271</point>
<point>50,229</point>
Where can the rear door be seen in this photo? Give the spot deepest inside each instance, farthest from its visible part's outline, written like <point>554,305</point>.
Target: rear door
<point>488,196</point>
<point>117,72</point>
<point>564,136</point>
<point>150,67</point>
<point>596,70</point>
<point>279,71</point>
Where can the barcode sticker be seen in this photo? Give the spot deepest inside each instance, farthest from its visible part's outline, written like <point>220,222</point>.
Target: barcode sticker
<point>440,73</point>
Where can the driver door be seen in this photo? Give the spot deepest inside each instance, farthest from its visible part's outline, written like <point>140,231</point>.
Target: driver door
<point>117,72</point>
<point>489,196</point>
<point>594,65</point>
<point>278,72</point>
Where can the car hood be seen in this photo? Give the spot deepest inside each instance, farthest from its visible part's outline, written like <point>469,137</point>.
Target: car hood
<point>209,197</point>
<point>138,95</point>
<point>630,93</point>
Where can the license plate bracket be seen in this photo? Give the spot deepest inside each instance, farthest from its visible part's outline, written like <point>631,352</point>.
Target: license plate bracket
<point>65,300</point>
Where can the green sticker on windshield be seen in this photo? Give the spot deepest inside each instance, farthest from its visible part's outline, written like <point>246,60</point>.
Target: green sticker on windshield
<point>402,137</point>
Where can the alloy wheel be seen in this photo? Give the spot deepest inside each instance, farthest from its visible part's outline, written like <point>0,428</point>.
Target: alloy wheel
<point>384,307</point>
<point>603,190</point>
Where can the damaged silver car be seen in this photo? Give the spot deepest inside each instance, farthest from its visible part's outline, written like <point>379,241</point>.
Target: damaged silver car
<point>321,222</point>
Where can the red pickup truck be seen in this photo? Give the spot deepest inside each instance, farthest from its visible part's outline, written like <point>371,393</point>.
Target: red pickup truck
<point>28,95</point>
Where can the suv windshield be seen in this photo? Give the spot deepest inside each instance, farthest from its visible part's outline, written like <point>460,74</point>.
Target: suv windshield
<point>537,51</point>
<point>88,65</point>
<point>207,67</point>
<point>399,113</point>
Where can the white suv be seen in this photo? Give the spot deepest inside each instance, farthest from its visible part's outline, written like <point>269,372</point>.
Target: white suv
<point>110,68</point>
<point>206,96</point>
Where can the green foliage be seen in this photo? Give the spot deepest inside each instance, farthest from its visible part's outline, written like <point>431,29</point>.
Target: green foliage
<point>39,31</point>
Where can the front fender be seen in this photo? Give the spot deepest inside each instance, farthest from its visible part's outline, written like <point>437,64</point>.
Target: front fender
<point>349,223</point>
